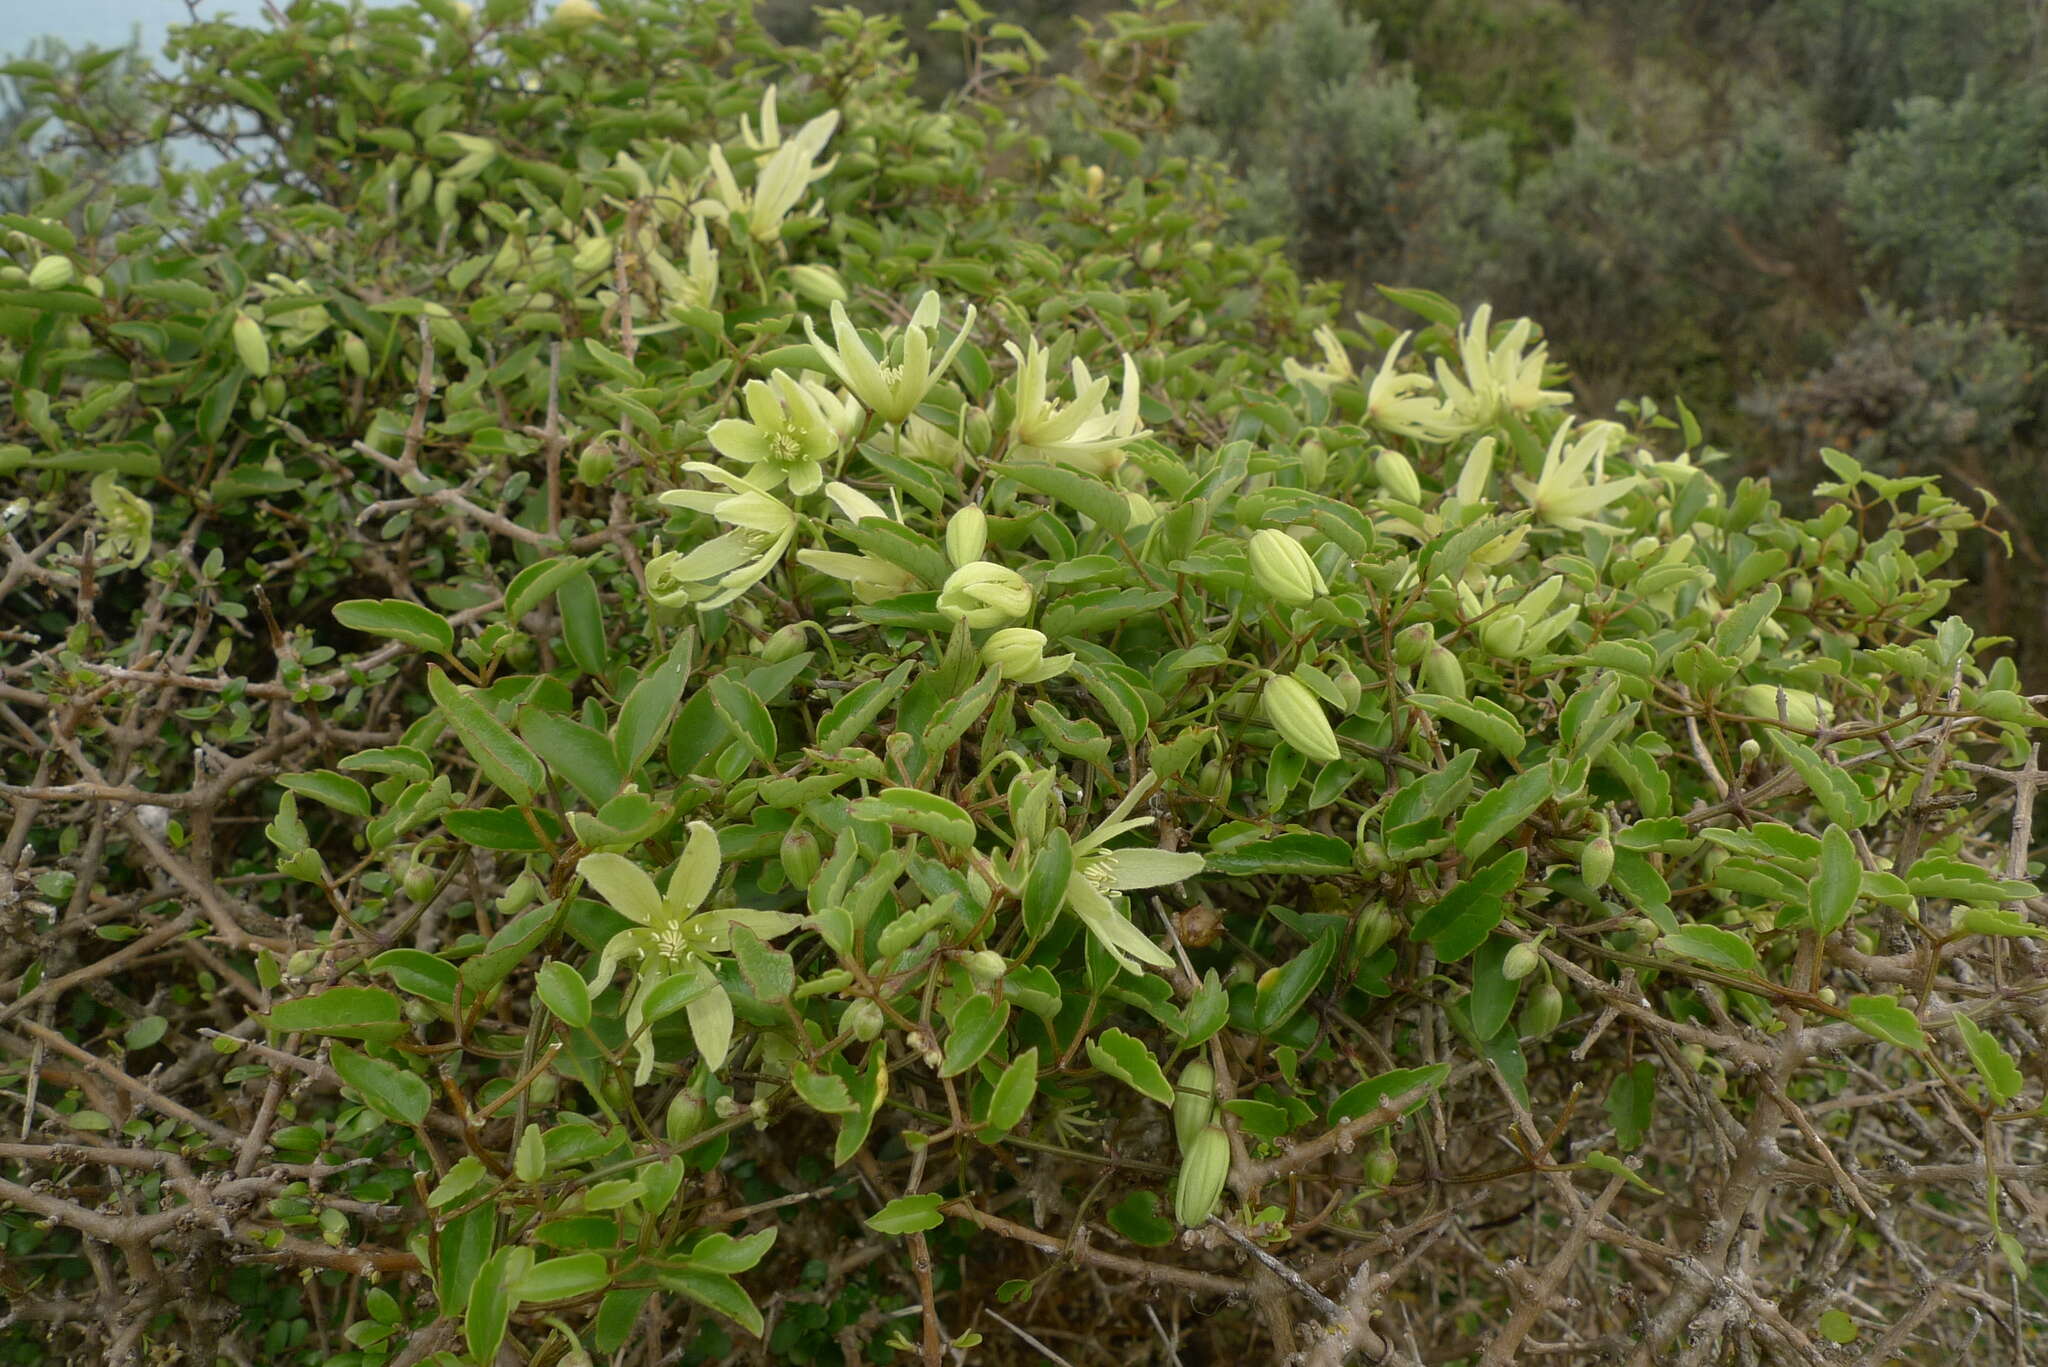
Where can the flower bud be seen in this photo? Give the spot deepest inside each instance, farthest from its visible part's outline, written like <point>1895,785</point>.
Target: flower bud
<point>273,393</point>
<point>1542,1011</point>
<point>986,966</point>
<point>979,432</point>
<point>1031,799</point>
<point>1150,256</point>
<point>1371,931</point>
<point>819,284</point>
<point>1442,672</point>
<point>1524,959</point>
<point>1298,717</point>
<point>982,594</point>
<point>801,859</point>
<point>577,13</point>
<point>51,273</point>
<point>1019,652</point>
<point>864,1018</point>
<point>592,254</point>
<point>1202,1175</point>
<point>1194,1103</point>
<point>1413,644</point>
<point>1502,634</point>
<point>250,345</point>
<point>1802,709</point>
<point>1094,181</point>
<point>418,881</point>
<point>355,353</point>
<point>966,536</point>
<point>1596,862</point>
<point>596,464</point>
<point>1381,1165</point>
<point>785,644</point>
<point>685,1116</point>
<point>1283,570</point>
<point>1397,476</point>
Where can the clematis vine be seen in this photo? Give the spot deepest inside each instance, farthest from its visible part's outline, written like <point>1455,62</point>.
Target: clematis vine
<point>672,938</point>
<point>894,383</point>
<point>1572,487</point>
<point>1081,434</point>
<point>791,435</point>
<point>720,570</point>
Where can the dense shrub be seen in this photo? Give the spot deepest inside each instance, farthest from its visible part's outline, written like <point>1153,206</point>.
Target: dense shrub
<point>659,703</point>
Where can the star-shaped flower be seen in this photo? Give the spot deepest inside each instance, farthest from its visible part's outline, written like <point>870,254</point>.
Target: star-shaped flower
<point>671,937</point>
<point>1099,873</point>
<point>791,435</point>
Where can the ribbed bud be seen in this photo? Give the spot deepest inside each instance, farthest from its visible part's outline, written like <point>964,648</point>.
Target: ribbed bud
<point>800,856</point>
<point>1371,931</point>
<point>1299,718</point>
<point>596,464</point>
<point>1542,1011</point>
<point>418,881</point>
<point>786,643</point>
<point>1202,1174</point>
<point>1019,652</point>
<point>1596,862</point>
<point>819,284</point>
<point>979,432</point>
<point>1381,1165</point>
<point>1521,961</point>
<point>1502,634</point>
<point>1397,476</point>
<point>1151,255</point>
<point>685,1116</point>
<point>966,536</point>
<point>986,966</point>
<point>355,353</point>
<point>1442,672</point>
<point>1283,570</point>
<point>1194,1103</point>
<point>1031,797</point>
<point>51,273</point>
<point>250,345</point>
<point>864,1018</point>
<point>1413,645</point>
<point>1802,709</point>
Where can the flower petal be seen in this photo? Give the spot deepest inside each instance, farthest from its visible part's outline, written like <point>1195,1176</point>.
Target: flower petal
<point>624,884</point>
<point>695,872</point>
<point>711,1023</point>
<point>1111,930</point>
<point>1133,869</point>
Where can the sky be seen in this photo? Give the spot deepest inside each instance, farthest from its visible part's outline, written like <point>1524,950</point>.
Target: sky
<point>106,23</point>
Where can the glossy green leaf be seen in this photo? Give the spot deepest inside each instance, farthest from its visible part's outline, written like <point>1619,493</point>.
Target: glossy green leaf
<point>397,620</point>
<point>1128,1061</point>
<point>389,1090</point>
<point>502,756</point>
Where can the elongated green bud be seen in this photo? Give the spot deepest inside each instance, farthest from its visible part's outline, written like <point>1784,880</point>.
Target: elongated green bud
<point>1502,634</point>
<point>1202,1174</point>
<point>1521,961</point>
<point>1194,1103</point>
<point>355,353</point>
<point>819,284</point>
<point>250,346</point>
<point>1031,798</point>
<point>1542,1011</point>
<point>986,966</point>
<point>1381,1165</point>
<point>864,1018</point>
<point>1397,476</point>
<point>1442,672</point>
<point>1802,709</point>
<point>800,856</point>
<point>1299,719</point>
<point>1596,863</point>
<point>1413,645</point>
<point>966,536</point>
<point>1283,570</point>
<point>51,273</point>
<point>685,1116</point>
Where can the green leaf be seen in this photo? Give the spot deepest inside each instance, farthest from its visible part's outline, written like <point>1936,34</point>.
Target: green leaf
<point>574,752</point>
<point>1483,718</point>
<point>1128,1061</point>
<point>495,828</point>
<point>2001,1075</point>
<point>724,1254</point>
<point>714,1291</point>
<point>562,990</point>
<point>1840,880</point>
<point>644,716</point>
<point>145,1031</point>
<point>388,1089</point>
<point>744,712</point>
<point>502,756</point>
<point>1629,1101</point>
<point>1297,852</point>
<point>1360,1098</point>
<point>1501,811</point>
<point>1713,946</point>
<point>1836,1327</point>
<point>491,1301</point>
<point>1090,497</point>
<point>561,1279</point>
<point>418,972</point>
<point>1281,992</point>
<point>338,791</point>
<point>1045,886</point>
<point>851,716</point>
<point>1881,1017</point>
<point>1428,303</point>
<point>1493,993</point>
<point>1608,1163</point>
<point>909,1214</point>
<point>974,1027</point>
<point>465,1176</point>
<point>339,1011</point>
<point>1462,919</point>
<point>1137,1218</point>
<point>582,622</point>
<point>1831,786</point>
<point>1013,1092</point>
<point>531,586</point>
<point>770,973</point>
<point>398,620</point>
<point>915,810</point>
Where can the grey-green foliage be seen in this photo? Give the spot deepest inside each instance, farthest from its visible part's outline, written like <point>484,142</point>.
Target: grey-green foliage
<point>1338,148</point>
<point>98,86</point>
<point>1953,201</point>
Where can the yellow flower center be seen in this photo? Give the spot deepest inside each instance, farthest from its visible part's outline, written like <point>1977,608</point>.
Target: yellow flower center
<point>784,449</point>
